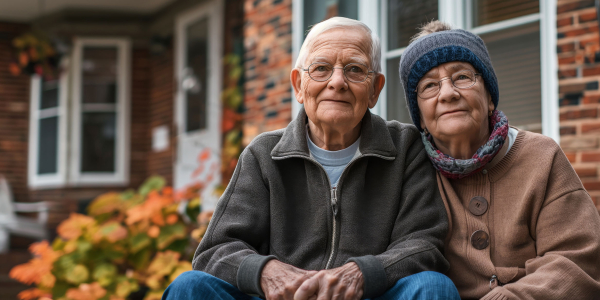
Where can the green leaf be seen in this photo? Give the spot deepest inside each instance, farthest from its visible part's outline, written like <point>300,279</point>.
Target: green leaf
<point>104,274</point>
<point>77,275</point>
<point>178,245</point>
<point>60,289</point>
<point>139,242</point>
<point>169,234</point>
<point>141,259</point>
<point>151,184</point>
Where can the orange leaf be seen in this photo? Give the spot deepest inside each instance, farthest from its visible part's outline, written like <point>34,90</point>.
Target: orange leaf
<point>23,59</point>
<point>154,231</point>
<point>14,69</point>
<point>92,291</point>
<point>31,294</point>
<point>204,155</point>
<point>111,231</point>
<point>172,219</point>
<point>74,226</point>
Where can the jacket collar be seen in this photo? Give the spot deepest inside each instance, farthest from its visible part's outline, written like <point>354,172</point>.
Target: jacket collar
<point>375,138</point>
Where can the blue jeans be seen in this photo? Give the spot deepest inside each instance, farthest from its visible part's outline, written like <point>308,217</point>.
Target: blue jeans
<point>199,285</point>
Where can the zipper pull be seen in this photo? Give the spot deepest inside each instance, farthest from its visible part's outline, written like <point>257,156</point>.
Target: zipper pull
<point>334,205</point>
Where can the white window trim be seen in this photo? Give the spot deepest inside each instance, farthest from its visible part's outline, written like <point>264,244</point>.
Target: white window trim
<point>35,180</point>
<point>121,174</point>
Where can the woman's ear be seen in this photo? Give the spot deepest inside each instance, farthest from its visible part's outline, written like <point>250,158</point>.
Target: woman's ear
<point>378,84</point>
<point>491,105</point>
<point>296,79</point>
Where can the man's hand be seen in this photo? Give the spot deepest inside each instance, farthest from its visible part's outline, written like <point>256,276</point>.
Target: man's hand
<point>279,281</point>
<point>345,282</point>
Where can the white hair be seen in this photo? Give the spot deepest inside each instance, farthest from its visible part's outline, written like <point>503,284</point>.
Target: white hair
<point>340,22</point>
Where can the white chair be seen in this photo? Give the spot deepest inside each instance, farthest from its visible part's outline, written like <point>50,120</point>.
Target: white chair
<point>10,223</point>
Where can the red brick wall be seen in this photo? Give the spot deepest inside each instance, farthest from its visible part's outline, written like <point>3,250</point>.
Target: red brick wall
<point>578,51</point>
<point>268,61</point>
<point>14,115</point>
<point>161,105</point>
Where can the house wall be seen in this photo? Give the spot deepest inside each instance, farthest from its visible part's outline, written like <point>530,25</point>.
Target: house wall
<point>267,63</point>
<point>14,115</point>
<point>578,51</point>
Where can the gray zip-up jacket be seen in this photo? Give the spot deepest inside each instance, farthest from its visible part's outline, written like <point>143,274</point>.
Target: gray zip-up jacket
<point>386,214</point>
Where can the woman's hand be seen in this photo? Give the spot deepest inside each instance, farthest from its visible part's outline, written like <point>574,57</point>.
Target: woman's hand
<point>279,281</point>
<point>345,282</point>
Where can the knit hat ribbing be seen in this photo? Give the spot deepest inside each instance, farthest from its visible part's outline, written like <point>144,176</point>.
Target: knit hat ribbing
<point>438,48</point>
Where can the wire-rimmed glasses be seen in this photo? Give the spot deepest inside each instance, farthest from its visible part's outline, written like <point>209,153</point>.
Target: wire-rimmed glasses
<point>463,79</point>
<point>322,71</point>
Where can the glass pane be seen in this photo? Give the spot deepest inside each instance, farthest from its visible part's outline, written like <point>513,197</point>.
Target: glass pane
<point>48,146</point>
<point>405,17</point>
<point>195,79</point>
<point>49,93</point>
<point>98,140</point>
<point>99,75</point>
<point>396,103</point>
<point>316,11</point>
<point>490,11</point>
<point>515,54</point>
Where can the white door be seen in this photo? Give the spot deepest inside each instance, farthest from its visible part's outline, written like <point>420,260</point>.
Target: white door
<point>198,106</point>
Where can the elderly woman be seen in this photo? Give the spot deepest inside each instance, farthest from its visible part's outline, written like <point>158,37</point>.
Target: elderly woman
<point>521,224</point>
<point>338,205</point>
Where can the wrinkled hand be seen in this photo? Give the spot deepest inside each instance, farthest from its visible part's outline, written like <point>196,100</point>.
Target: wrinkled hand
<point>345,282</point>
<point>279,281</point>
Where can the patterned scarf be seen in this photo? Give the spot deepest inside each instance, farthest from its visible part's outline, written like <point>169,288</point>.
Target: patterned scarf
<point>460,168</point>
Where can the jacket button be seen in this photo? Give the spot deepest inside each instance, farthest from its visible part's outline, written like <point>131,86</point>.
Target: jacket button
<point>480,239</point>
<point>478,206</point>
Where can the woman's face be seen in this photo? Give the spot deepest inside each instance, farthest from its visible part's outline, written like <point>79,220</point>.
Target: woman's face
<point>337,102</point>
<point>453,112</point>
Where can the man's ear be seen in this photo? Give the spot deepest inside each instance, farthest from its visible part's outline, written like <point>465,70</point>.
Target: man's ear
<point>296,79</point>
<point>378,83</point>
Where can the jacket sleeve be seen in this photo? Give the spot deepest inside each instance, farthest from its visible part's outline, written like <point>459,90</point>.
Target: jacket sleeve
<point>417,240</point>
<point>567,237</point>
<point>239,230</point>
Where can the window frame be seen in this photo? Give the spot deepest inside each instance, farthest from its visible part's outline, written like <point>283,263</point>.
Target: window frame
<point>121,109</point>
<point>35,180</point>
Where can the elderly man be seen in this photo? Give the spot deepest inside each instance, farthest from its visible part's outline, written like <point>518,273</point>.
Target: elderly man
<point>338,205</point>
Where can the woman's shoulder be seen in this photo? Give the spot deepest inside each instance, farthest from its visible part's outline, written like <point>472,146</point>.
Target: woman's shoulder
<point>536,141</point>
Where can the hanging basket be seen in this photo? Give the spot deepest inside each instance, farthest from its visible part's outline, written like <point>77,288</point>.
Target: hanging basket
<point>34,54</point>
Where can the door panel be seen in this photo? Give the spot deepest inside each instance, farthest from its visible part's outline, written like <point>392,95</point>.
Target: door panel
<point>198,107</point>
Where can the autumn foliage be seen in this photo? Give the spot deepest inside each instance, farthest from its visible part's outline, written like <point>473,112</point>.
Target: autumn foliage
<point>127,241</point>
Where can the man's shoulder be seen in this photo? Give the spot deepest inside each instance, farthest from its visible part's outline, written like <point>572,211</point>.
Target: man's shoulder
<point>404,135</point>
<point>265,142</point>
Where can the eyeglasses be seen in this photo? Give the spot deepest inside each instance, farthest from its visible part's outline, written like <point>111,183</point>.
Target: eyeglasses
<point>322,71</point>
<point>429,88</point>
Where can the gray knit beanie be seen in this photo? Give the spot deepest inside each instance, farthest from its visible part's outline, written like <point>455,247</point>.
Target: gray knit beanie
<point>438,48</point>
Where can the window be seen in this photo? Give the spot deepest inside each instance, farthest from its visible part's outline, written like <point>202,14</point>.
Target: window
<point>520,36</point>
<point>47,134</point>
<point>100,95</point>
<point>96,112</point>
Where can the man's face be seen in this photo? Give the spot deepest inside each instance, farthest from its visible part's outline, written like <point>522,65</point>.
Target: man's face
<point>337,101</point>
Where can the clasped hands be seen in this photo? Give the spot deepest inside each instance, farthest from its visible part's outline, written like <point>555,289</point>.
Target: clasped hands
<point>280,281</point>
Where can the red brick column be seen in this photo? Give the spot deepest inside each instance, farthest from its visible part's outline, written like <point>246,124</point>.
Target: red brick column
<point>578,48</point>
<point>267,64</point>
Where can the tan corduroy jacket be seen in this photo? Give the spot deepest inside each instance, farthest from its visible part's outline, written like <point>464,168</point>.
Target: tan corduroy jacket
<point>542,226</point>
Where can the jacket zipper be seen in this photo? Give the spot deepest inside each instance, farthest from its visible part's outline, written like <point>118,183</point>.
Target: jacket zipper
<point>334,208</point>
